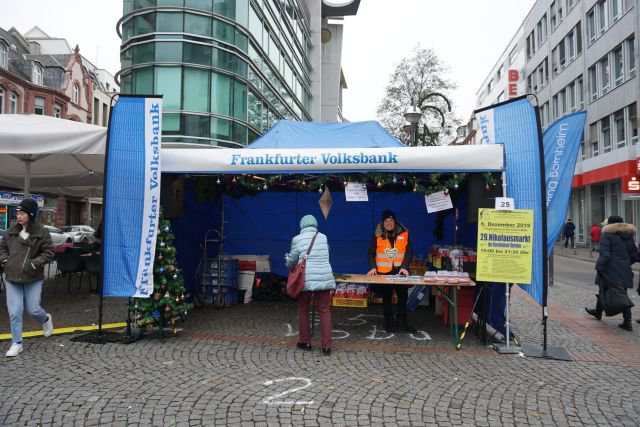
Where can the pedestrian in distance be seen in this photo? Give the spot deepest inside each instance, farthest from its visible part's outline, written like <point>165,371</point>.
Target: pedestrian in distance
<point>390,252</point>
<point>318,282</point>
<point>617,252</point>
<point>595,238</point>
<point>24,252</point>
<point>569,233</point>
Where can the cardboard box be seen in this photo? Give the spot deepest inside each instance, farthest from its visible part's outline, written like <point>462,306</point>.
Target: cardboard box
<point>257,263</point>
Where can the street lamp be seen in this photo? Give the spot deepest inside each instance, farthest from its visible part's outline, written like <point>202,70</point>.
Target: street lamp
<point>413,115</point>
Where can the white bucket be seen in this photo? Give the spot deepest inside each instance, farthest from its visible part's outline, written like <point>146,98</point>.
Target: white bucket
<point>245,279</point>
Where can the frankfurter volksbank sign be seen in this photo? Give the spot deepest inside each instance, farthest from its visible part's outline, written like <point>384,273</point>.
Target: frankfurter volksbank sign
<point>467,158</point>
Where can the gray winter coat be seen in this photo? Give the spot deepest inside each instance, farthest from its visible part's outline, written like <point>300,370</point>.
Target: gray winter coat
<point>617,252</point>
<point>318,274</point>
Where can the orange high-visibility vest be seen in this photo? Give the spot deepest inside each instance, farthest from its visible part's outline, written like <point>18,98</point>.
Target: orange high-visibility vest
<point>387,256</point>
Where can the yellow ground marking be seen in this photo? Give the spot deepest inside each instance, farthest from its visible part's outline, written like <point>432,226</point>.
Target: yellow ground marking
<point>68,330</point>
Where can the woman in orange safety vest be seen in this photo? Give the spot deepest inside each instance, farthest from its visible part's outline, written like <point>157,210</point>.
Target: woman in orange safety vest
<point>390,253</point>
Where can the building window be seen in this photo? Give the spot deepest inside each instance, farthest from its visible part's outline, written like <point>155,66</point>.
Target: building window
<point>592,32</point>
<point>616,9</point>
<point>96,110</point>
<point>513,55</point>
<point>39,106</point>
<point>593,83</point>
<point>579,93</point>
<point>605,133</point>
<point>1,100</point>
<point>13,103</point>
<point>553,15</point>
<point>593,139</point>
<point>618,123</point>
<point>604,74</point>
<point>618,66</point>
<point>631,57</point>
<point>105,115</point>
<point>57,110</point>
<point>4,56</point>
<point>541,29</point>
<point>603,16</point>
<point>633,123</point>
<point>75,94</point>
<point>37,75</point>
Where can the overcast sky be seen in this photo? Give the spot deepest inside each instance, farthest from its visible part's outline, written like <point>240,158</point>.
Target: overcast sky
<point>468,35</point>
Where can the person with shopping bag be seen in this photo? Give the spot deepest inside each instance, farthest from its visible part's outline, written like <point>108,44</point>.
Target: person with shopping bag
<point>618,252</point>
<point>318,282</point>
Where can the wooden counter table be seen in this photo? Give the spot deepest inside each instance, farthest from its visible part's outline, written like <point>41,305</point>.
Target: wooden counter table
<point>381,280</point>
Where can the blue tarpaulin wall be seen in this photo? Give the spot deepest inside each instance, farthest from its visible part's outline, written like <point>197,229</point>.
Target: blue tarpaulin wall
<point>265,224</point>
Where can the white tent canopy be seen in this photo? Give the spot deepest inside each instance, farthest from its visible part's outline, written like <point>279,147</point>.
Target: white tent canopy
<point>466,158</point>
<point>47,154</point>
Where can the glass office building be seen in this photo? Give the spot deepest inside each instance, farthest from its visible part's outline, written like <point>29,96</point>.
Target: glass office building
<point>227,69</point>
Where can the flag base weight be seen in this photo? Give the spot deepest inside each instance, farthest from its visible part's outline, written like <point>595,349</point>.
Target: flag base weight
<point>503,349</point>
<point>555,353</point>
<point>103,337</point>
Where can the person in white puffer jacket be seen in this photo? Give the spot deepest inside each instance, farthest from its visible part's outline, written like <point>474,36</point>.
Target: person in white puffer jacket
<point>318,282</point>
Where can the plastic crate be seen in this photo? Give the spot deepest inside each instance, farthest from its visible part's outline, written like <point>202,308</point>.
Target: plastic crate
<point>350,302</point>
<point>416,296</point>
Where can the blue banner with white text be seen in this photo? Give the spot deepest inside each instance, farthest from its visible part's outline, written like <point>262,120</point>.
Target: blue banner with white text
<point>561,145</point>
<point>132,196</point>
<point>514,124</point>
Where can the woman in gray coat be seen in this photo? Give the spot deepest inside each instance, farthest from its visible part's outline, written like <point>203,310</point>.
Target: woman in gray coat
<point>318,282</point>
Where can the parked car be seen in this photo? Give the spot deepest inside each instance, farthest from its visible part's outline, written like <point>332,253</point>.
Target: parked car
<point>59,237</point>
<point>80,233</point>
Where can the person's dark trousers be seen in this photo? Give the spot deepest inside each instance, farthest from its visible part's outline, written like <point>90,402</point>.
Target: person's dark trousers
<point>387,301</point>
<point>567,240</point>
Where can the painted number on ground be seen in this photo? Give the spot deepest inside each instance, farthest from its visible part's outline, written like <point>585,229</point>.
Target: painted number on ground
<point>277,399</point>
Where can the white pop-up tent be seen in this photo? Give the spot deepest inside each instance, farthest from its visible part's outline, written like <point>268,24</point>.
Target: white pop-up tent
<point>47,154</point>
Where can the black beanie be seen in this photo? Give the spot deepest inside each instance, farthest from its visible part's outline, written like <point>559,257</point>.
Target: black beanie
<point>613,219</point>
<point>388,214</point>
<point>30,207</point>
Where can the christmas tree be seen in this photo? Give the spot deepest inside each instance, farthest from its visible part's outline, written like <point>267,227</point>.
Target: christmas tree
<point>168,302</point>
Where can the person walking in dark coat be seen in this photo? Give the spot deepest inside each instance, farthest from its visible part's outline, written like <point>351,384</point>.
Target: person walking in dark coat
<point>24,252</point>
<point>617,252</point>
<point>569,233</point>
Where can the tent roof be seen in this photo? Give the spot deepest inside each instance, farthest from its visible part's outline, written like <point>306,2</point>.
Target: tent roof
<point>310,147</point>
<point>289,134</point>
<point>65,157</point>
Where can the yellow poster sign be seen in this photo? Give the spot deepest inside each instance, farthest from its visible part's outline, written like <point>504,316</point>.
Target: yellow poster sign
<point>505,246</point>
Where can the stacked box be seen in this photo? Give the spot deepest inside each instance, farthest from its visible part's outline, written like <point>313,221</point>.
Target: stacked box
<point>350,295</point>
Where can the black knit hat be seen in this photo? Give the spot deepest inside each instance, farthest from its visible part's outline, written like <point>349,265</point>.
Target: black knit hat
<point>388,214</point>
<point>28,206</point>
<point>613,219</point>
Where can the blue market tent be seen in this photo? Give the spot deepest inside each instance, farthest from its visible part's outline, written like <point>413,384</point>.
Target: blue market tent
<point>265,223</point>
<point>289,134</point>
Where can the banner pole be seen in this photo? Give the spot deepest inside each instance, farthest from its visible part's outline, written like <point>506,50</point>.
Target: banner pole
<point>543,231</point>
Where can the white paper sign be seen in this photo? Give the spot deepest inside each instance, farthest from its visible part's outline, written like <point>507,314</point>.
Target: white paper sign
<point>504,204</point>
<point>438,202</point>
<point>355,192</point>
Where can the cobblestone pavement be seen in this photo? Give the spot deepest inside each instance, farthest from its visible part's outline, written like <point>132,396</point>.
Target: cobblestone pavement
<point>240,366</point>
